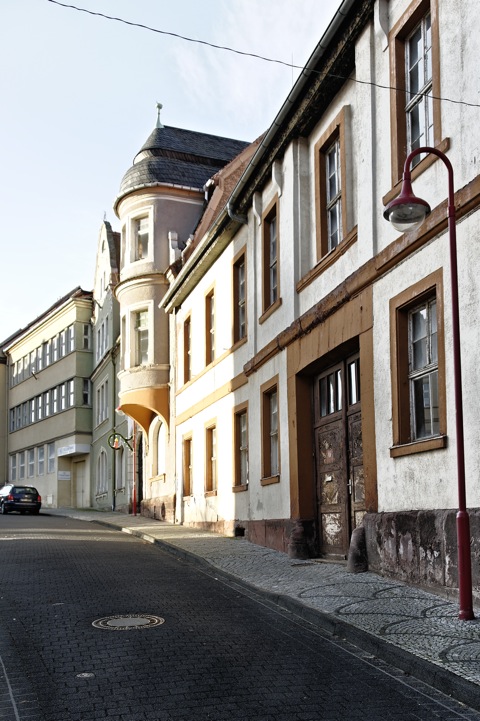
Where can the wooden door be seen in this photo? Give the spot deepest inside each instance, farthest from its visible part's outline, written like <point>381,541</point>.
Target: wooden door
<point>338,455</point>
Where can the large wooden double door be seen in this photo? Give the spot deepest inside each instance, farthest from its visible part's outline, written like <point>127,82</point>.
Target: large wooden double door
<point>340,482</point>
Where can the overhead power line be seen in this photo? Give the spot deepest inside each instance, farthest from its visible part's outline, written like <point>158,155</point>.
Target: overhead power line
<point>252,55</point>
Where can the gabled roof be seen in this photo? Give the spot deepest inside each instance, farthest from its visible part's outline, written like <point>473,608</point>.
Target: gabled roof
<point>174,156</point>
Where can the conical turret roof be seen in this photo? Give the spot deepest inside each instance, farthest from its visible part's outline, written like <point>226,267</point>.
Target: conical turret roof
<point>173,156</point>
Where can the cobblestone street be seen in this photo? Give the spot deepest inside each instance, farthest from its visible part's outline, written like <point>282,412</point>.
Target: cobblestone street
<point>219,651</point>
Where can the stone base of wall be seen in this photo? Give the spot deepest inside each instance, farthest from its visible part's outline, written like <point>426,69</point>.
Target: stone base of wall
<point>162,508</point>
<point>420,547</point>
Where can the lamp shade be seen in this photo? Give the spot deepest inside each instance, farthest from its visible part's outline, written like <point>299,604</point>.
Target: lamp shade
<point>406,212</point>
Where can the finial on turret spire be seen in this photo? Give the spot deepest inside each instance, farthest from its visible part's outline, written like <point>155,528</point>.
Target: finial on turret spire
<point>159,123</point>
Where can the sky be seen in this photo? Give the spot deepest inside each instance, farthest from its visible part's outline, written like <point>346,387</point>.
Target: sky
<point>78,97</point>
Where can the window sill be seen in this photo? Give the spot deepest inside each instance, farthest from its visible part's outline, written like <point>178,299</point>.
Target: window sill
<point>240,488</point>
<point>426,444</point>
<point>425,163</point>
<point>268,311</point>
<point>210,494</point>
<point>270,480</point>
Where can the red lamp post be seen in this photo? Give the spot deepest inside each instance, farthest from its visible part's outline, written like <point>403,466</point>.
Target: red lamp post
<point>405,213</point>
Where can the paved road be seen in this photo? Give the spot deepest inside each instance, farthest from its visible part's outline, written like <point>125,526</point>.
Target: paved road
<point>221,654</point>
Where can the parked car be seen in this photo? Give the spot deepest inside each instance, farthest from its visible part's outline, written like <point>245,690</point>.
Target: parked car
<point>19,498</point>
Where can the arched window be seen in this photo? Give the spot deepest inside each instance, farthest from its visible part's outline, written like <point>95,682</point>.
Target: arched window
<point>119,469</point>
<point>101,480</point>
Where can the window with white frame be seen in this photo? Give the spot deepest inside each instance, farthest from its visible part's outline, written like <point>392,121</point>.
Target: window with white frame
<point>102,402</point>
<point>87,336</point>
<point>86,392</point>
<point>71,393</point>
<point>50,457</point>
<point>101,480</point>
<point>13,467</point>
<point>31,462</point>
<point>141,338</point>
<point>141,238</point>
<point>419,108</point>
<point>21,465</point>
<point>41,460</point>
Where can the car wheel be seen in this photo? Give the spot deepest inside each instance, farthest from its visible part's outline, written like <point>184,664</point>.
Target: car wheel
<point>4,510</point>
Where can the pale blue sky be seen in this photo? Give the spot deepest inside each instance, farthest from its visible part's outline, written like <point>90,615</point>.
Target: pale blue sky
<point>78,99</point>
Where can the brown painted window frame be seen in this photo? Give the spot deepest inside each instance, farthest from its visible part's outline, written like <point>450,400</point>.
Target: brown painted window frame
<point>238,411</point>
<point>400,306</point>
<point>266,391</point>
<point>240,258</point>
<point>211,459</point>
<point>398,116</point>
<point>335,131</point>
<point>268,305</point>
<point>187,465</point>
<point>210,326</point>
<point>187,349</point>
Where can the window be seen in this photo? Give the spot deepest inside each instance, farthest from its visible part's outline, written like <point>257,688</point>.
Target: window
<point>46,403</point>
<point>39,363</point>
<point>423,369</point>
<point>415,79</point>
<point>239,300</point>
<point>241,446</point>
<point>270,256</point>
<point>270,434</point>
<point>24,414</point>
<point>123,247</point>
<point>102,402</point>
<point>54,400</point>
<point>418,368</point>
<point>31,410</point>
<point>418,71</point>
<point>187,350</point>
<point>62,343</point>
<point>50,457</point>
<point>101,484</point>
<point>13,467</point>
<point>31,462</point>
<point>62,392</point>
<point>211,459</point>
<point>46,354</point>
<point>141,238</point>
<point>119,469</point>
<point>39,407</point>
<point>333,187</point>
<point>141,338</point>
<point>86,392</point>
<point>55,346</point>
<point>41,460</point>
<point>210,328</point>
<point>71,393</point>
<point>70,338</point>
<point>331,195</point>
<point>187,466</point>
<point>21,465</point>
<point>87,335</point>
<point>12,420</point>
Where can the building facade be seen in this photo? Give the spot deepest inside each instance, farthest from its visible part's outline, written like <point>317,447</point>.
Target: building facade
<point>112,462</point>
<point>313,369</point>
<point>49,404</point>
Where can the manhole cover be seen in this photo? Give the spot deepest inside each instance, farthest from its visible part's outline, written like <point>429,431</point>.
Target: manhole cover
<point>132,622</point>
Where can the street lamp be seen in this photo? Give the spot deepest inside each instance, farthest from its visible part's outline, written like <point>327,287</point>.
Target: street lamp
<point>405,213</point>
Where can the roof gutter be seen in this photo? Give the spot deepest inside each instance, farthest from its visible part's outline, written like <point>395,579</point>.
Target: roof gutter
<point>297,90</point>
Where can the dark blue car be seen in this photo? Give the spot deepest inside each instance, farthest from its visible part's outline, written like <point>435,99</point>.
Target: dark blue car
<point>19,498</point>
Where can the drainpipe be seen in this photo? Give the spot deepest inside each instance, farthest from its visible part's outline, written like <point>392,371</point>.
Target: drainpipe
<point>114,460</point>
